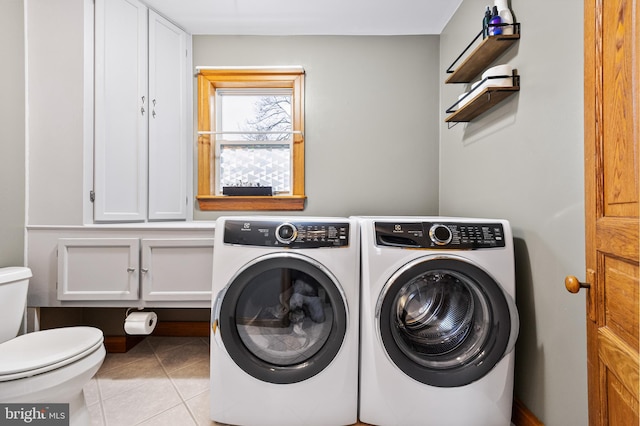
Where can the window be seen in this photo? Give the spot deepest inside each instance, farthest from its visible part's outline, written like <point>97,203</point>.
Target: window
<point>251,134</point>
<point>255,142</point>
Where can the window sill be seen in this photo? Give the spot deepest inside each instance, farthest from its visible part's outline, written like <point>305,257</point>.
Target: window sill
<point>214,202</point>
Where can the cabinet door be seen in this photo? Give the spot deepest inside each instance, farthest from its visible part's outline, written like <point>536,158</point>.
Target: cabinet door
<point>121,109</point>
<point>177,269</point>
<point>98,268</point>
<point>167,120</point>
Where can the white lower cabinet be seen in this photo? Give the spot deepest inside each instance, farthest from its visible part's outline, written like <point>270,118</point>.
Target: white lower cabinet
<point>98,268</point>
<point>121,269</point>
<point>177,269</point>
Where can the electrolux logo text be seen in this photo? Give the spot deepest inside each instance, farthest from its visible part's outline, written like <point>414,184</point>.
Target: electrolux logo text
<point>34,414</point>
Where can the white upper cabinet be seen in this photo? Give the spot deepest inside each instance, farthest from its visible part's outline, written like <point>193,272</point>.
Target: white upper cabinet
<point>140,144</point>
<point>121,110</point>
<point>167,120</point>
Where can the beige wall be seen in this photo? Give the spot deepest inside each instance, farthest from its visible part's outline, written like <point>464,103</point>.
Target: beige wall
<point>12,134</point>
<point>371,131</point>
<point>371,122</point>
<point>523,161</point>
<point>375,106</point>
<point>56,83</point>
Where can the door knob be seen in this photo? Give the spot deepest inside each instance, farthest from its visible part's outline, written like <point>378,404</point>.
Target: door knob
<point>573,285</point>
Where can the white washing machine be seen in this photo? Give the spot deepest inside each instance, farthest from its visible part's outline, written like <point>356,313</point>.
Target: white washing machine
<point>285,311</point>
<point>438,321</point>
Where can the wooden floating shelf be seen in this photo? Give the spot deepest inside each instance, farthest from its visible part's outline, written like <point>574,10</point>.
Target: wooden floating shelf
<point>487,99</point>
<point>482,56</point>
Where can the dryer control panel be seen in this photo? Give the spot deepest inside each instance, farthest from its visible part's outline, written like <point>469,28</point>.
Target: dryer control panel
<point>286,234</point>
<point>440,235</point>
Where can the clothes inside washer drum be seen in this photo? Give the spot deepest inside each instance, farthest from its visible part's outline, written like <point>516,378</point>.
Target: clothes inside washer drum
<point>436,314</point>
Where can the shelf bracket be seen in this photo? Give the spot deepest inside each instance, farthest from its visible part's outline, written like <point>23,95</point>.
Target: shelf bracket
<point>450,69</point>
<point>515,79</point>
<point>498,38</point>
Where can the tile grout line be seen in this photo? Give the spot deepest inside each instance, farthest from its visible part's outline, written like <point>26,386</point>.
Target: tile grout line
<point>118,367</point>
<point>184,402</point>
<point>100,404</point>
<point>102,398</point>
<point>100,393</point>
<point>159,350</point>
<point>166,373</point>
<point>189,410</point>
<point>153,352</point>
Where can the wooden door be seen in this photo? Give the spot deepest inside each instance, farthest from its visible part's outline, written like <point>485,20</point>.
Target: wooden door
<point>612,100</point>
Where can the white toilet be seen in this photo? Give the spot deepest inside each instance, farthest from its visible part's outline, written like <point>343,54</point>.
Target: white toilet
<point>50,366</point>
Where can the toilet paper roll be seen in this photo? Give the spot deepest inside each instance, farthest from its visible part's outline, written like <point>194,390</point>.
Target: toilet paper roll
<point>140,322</point>
<point>498,70</point>
<point>464,99</point>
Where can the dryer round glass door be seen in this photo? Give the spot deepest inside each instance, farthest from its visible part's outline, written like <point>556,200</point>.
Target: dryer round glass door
<point>283,318</point>
<point>444,321</point>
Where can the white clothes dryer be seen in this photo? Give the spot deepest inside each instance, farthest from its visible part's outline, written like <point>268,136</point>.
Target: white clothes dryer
<point>438,321</point>
<point>285,311</point>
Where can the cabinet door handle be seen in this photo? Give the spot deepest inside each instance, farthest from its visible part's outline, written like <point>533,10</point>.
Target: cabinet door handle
<point>130,269</point>
<point>144,270</point>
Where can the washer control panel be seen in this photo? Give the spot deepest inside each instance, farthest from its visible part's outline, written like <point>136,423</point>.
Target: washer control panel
<point>440,235</point>
<point>264,233</point>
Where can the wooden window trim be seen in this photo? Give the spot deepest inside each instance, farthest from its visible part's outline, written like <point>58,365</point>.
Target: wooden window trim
<point>211,79</point>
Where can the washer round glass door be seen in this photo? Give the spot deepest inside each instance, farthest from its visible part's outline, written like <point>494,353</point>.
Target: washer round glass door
<point>444,321</point>
<point>283,318</point>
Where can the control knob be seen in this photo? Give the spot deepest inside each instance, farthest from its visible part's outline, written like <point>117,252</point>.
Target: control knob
<point>440,234</point>
<point>286,233</point>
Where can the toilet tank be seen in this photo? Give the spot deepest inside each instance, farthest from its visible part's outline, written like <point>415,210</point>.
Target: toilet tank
<point>14,283</point>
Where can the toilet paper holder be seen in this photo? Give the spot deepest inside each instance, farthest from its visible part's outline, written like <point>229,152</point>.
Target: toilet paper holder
<point>126,314</point>
<point>140,322</point>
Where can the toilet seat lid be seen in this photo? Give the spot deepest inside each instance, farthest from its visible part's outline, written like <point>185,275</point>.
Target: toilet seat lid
<point>42,351</point>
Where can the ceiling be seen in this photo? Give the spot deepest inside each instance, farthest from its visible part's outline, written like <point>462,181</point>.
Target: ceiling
<point>308,17</point>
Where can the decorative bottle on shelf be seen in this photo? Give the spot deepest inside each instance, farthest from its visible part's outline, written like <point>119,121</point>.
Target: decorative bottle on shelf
<point>494,28</point>
<point>485,22</point>
<point>505,15</point>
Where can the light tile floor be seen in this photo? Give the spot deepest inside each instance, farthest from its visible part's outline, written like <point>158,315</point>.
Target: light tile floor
<point>160,381</point>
